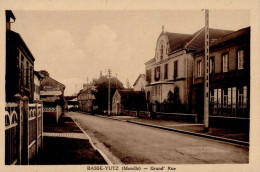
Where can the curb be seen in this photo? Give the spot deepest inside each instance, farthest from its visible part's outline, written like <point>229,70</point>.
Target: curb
<point>184,132</point>
<point>90,140</point>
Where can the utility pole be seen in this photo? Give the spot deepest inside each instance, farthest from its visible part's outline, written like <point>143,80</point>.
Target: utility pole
<point>109,74</point>
<point>206,76</point>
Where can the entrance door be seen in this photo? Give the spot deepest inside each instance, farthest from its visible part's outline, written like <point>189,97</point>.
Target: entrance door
<point>200,104</point>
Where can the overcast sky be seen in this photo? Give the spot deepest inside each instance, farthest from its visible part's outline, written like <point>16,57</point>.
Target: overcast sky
<point>75,45</point>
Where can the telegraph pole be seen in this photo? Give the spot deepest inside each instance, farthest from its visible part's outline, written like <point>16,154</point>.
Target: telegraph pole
<point>109,74</point>
<point>206,76</point>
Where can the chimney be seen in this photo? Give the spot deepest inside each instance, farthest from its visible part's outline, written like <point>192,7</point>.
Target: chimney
<point>9,15</point>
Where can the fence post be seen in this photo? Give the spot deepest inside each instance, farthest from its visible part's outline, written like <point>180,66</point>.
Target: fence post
<point>36,141</point>
<point>26,130</point>
<point>18,100</point>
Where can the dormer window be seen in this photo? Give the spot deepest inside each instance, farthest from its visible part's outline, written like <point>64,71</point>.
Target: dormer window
<point>161,52</point>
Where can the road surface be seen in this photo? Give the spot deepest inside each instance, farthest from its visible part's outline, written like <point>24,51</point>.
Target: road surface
<point>136,144</point>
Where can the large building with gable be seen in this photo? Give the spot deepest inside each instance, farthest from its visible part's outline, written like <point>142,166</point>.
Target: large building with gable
<point>171,68</point>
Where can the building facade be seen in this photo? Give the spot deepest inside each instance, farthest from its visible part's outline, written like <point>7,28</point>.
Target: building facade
<point>229,79</point>
<point>51,91</point>
<point>171,69</point>
<point>19,64</point>
<point>37,85</point>
<point>85,98</point>
<point>140,83</point>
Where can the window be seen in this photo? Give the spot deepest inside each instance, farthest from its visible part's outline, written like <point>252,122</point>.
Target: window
<point>211,65</point>
<point>155,91</point>
<point>225,63</point>
<point>27,75</point>
<point>161,51</point>
<point>199,68</point>
<point>166,71</point>
<point>240,59</point>
<point>157,73</point>
<point>22,71</point>
<point>242,97</point>
<point>148,76</point>
<point>225,98</point>
<point>175,74</point>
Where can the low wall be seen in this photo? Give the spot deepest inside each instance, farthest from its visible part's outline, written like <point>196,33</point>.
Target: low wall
<point>175,116</point>
<point>52,114</point>
<point>236,123</point>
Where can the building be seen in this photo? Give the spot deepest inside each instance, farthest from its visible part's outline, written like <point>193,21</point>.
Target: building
<point>128,99</point>
<point>19,64</point>
<point>229,79</point>
<point>51,91</point>
<point>140,82</point>
<point>85,98</point>
<point>171,69</point>
<point>37,85</point>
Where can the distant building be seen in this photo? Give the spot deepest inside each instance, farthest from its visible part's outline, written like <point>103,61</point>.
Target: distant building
<point>128,100</point>
<point>85,98</point>
<point>51,91</point>
<point>37,85</point>
<point>229,80</point>
<point>171,67</point>
<point>19,64</point>
<point>140,82</point>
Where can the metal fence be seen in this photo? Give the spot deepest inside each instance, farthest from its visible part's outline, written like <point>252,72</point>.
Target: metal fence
<point>23,130</point>
<point>231,110</point>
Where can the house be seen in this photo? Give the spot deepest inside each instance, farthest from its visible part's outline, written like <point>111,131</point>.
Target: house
<point>229,79</point>
<point>140,82</point>
<point>37,84</point>
<point>51,90</point>
<point>171,68</point>
<point>19,64</point>
<point>128,99</point>
<point>23,116</point>
<point>85,98</point>
<point>52,95</point>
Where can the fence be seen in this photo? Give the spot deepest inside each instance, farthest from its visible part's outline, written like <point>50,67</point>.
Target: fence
<point>231,110</point>
<point>23,130</point>
<point>52,113</point>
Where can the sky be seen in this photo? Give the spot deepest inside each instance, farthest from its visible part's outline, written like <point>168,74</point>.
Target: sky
<point>74,46</point>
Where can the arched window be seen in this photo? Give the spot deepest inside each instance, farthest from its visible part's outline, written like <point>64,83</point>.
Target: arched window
<point>161,52</point>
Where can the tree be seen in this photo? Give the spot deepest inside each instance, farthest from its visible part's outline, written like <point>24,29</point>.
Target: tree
<point>128,84</point>
<point>101,91</point>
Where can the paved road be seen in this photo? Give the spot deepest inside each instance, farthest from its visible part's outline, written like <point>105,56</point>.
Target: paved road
<point>136,144</point>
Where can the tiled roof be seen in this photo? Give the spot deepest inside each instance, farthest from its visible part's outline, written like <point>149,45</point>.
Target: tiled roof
<point>177,40</point>
<point>198,40</point>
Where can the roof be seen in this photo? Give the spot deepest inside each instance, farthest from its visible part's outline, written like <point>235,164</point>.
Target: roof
<point>191,42</point>
<point>39,76</point>
<point>124,93</point>
<point>55,81</point>
<point>177,40</point>
<point>9,13</point>
<point>198,40</point>
<point>228,37</point>
<point>17,36</point>
<point>141,75</point>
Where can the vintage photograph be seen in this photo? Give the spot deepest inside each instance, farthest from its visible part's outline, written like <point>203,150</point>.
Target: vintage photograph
<point>127,87</point>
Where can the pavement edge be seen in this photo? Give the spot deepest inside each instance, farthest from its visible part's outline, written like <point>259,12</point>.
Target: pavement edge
<point>108,161</point>
<point>226,140</point>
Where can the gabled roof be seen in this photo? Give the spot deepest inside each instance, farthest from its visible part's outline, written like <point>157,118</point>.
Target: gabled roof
<point>140,76</point>
<point>191,42</point>
<point>126,92</point>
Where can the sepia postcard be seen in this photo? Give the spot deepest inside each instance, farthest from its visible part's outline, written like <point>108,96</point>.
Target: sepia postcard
<point>129,85</point>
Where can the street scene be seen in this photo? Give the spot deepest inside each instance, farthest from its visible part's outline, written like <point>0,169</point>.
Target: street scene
<point>127,87</point>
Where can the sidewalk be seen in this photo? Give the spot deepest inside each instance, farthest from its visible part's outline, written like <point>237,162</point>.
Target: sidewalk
<point>65,143</point>
<point>192,128</point>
